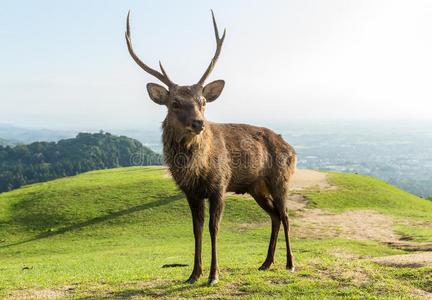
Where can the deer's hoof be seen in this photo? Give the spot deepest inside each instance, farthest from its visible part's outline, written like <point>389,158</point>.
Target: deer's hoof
<point>212,281</point>
<point>192,280</point>
<point>265,266</point>
<point>290,268</point>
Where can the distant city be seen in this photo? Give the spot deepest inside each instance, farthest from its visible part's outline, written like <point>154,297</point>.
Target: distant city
<point>399,153</point>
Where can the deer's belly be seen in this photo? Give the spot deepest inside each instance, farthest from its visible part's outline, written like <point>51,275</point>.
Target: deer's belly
<point>242,180</point>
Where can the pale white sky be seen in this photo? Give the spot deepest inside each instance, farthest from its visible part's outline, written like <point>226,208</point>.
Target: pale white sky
<point>65,65</point>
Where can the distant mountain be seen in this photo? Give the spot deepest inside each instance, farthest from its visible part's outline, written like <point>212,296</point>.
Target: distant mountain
<point>27,135</point>
<point>41,161</point>
<point>14,135</point>
<point>149,138</point>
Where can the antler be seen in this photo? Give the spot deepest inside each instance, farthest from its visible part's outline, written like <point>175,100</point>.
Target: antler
<point>219,42</point>
<point>161,76</point>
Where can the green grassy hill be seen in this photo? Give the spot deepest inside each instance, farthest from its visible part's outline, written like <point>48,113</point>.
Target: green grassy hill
<point>108,233</point>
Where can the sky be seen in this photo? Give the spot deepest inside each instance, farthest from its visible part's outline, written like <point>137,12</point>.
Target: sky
<point>64,64</point>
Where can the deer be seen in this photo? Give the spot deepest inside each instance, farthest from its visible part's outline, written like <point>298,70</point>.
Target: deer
<point>208,160</point>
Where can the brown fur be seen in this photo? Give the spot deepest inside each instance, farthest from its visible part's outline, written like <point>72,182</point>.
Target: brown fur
<point>236,158</point>
<point>209,159</point>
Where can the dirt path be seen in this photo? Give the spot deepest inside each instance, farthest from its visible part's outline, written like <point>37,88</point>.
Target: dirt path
<point>304,179</point>
<point>355,224</point>
<point>406,260</point>
<point>319,223</point>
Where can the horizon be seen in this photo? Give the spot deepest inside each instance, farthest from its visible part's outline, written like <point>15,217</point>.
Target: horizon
<point>319,124</point>
<point>399,153</point>
<point>67,66</point>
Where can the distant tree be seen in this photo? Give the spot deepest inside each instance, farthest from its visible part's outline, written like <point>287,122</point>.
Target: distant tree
<point>41,161</point>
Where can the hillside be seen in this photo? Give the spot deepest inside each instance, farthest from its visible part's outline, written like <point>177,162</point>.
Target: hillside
<point>108,233</point>
<point>42,161</point>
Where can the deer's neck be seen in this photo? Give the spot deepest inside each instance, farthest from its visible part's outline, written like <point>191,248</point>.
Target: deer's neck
<point>186,153</point>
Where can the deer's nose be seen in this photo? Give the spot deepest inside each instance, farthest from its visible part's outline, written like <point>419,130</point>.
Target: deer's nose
<point>198,125</point>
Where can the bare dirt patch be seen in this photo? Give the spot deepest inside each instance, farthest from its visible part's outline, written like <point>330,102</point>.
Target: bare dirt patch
<point>421,293</point>
<point>305,179</point>
<point>359,225</point>
<point>40,293</point>
<point>421,259</point>
<point>297,202</point>
<point>355,225</point>
<point>354,276</point>
<point>148,284</point>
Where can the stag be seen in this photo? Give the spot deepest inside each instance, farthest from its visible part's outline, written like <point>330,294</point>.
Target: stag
<point>208,159</point>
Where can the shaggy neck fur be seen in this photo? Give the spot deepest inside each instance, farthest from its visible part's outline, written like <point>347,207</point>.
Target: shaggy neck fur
<point>187,156</point>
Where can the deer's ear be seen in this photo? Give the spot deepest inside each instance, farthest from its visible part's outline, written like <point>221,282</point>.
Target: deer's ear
<point>212,90</point>
<point>157,93</point>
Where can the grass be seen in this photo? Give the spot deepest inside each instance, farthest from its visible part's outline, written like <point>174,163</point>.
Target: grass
<point>364,192</point>
<point>108,234</point>
<point>415,233</point>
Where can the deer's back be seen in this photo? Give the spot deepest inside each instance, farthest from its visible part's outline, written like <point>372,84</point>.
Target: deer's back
<point>253,153</point>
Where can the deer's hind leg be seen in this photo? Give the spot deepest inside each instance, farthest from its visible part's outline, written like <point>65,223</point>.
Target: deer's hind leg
<point>262,196</point>
<point>279,194</point>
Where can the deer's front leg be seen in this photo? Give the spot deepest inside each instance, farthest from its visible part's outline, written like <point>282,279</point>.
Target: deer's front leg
<point>197,209</point>
<point>216,209</point>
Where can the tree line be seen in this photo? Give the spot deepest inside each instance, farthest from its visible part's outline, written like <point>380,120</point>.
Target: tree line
<point>42,161</point>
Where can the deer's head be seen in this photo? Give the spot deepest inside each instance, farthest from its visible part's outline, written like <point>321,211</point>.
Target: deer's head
<point>186,104</point>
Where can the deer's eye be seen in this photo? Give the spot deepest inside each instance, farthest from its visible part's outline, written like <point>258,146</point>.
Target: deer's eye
<point>176,105</point>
